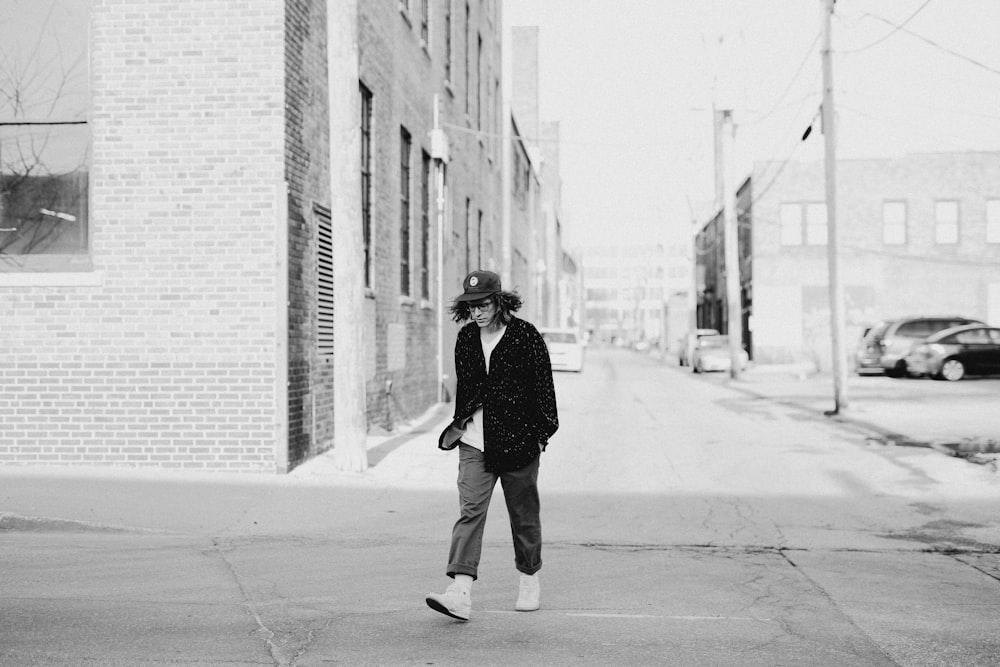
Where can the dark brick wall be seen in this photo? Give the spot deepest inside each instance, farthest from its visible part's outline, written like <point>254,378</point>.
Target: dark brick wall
<point>310,394</point>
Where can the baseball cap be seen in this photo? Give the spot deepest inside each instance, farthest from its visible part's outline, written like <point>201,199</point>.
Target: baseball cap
<point>478,285</point>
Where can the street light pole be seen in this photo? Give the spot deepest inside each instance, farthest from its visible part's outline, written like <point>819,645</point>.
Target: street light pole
<point>836,289</point>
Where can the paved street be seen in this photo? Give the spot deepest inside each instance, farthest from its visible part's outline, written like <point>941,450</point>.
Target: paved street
<point>688,520</point>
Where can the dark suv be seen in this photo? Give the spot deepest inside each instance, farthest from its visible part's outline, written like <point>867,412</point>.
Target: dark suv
<point>885,346</point>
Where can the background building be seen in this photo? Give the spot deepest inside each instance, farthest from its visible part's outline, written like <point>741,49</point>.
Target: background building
<point>919,235</point>
<point>623,287</point>
<point>231,244</point>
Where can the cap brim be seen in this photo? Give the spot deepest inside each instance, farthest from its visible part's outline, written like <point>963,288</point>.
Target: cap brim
<point>474,297</point>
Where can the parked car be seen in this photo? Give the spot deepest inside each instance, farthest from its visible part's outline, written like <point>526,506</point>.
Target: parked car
<point>712,354</point>
<point>893,342</point>
<point>566,349</point>
<point>688,343</point>
<point>868,355</point>
<point>952,354</point>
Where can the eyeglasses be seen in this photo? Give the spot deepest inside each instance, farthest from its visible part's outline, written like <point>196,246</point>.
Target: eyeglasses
<point>482,305</point>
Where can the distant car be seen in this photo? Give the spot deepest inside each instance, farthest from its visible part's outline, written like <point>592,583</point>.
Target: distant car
<point>893,342</point>
<point>952,354</point>
<point>868,355</point>
<point>688,343</point>
<point>712,354</point>
<point>566,349</point>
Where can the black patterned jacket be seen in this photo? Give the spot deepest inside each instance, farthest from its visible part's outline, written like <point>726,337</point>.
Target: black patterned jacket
<point>518,393</point>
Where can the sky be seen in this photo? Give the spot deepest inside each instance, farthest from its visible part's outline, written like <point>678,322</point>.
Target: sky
<point>633,84</point>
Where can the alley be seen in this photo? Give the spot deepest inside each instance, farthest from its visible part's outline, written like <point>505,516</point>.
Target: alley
<point>685,523</point>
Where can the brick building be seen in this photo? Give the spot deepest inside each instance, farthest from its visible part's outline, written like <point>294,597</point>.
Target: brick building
<point>413,55</point>
<point>918,235</point>
<point>184,280</point>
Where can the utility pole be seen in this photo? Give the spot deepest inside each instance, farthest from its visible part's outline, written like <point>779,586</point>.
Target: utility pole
<point>830,166</point>
<point>734,304</point>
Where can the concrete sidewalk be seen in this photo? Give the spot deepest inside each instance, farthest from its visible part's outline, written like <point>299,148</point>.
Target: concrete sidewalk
<point>956,418</point>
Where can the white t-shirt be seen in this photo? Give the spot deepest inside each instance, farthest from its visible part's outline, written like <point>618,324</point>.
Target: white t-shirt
<point>474,427</point>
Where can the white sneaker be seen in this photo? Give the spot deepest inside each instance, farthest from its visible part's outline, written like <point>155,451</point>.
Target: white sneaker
<point>529,593</point>
<point>456,602</point>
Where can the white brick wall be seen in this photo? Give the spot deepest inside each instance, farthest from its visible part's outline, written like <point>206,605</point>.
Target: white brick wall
<point>169,359</point>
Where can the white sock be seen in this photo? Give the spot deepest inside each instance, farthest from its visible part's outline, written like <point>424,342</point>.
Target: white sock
<point>465,581</point>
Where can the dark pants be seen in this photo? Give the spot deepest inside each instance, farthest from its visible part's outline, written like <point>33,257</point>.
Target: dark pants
<point>475,488</point>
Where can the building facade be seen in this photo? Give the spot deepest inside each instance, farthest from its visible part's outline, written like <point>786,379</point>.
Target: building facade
<point>422,63</point>
<point>917,235</point>
<point>210,210</point>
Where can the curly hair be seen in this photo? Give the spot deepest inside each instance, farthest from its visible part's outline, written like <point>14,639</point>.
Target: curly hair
<point>506,303</point>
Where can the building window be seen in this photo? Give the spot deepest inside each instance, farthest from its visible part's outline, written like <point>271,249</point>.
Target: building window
<point>479,81</point>
<point>447,41</point>
<point>479,240</point>
<point>468,90</point>
<point>405,144</point>
<point>425,19</point>
<point>791,224</point>
<point>425,226</point>
<point>496,116</point>
<point>894,222</point>
<point>816,231</point>
<point>324,280</point>
<point>366,180</point>
<point>946,221</point>
<point>44,136</point>
<point>468,235</point>
<point>993,220</point>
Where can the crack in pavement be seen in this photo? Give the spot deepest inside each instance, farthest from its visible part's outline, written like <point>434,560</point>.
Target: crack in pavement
<point>833,605</point>
<point>275,642</point>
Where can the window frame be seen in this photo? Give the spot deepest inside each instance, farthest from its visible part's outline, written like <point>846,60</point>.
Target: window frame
<point>943,225</point>
<point>74,264</point>
<point>405,213</point>
<point>448,46</point>
<point>367,181</point>
<point>466,40</point>
<point>425,20</point>
<point>425,226</point>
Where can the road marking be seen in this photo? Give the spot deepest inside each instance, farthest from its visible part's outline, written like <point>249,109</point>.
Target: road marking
<point>674,618</point>
<point>583,614</point>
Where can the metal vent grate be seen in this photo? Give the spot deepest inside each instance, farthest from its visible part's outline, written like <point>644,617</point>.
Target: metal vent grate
<point>324,280</point>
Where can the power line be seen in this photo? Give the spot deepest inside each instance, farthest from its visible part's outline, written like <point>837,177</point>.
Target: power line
<point>945,49</point>
<point>890,33</point>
